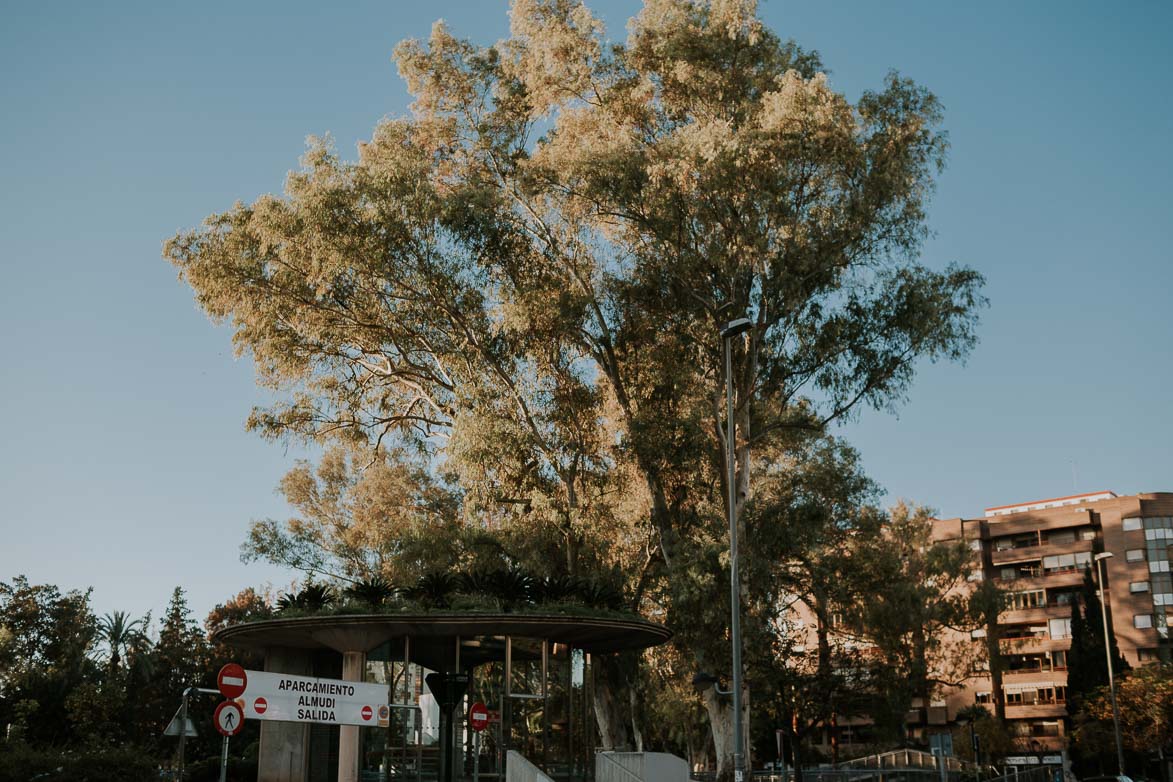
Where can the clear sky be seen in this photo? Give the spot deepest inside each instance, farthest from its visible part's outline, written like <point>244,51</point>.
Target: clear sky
<point>124,464</point>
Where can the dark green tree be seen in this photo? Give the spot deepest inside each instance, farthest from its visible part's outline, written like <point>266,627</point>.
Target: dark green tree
<point>1087,676</point>
<point>1087,667</point>
<point>47,645</point>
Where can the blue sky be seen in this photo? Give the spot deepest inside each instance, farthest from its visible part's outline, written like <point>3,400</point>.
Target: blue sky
<point>124,464</point>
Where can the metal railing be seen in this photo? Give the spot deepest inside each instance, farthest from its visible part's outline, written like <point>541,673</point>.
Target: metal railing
<point>518,768</point>
<point>611,770</point>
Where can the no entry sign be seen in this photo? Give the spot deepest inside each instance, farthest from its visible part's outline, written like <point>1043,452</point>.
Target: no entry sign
<point>229,719</point>
<point>232,681</point>
<point>478,716</point>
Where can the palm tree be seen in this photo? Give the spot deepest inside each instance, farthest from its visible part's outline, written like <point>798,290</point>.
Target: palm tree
<point>120,634</point>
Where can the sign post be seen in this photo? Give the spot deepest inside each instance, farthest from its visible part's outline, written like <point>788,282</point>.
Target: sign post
<point>478,720</point>
<point>229,720</point>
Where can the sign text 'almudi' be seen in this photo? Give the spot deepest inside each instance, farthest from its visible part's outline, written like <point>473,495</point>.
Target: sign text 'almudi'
<point>286,698</point>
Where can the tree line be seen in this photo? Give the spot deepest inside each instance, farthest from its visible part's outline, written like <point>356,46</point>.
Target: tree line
<point>89,696</point>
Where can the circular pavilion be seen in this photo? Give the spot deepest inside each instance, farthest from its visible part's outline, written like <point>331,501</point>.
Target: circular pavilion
<point>533,670</point>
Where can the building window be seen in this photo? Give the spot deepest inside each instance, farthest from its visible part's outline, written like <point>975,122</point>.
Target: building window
<point>975,575</point>
<point>1058,538</point>
<point>1017,601</point>
<point>1131,524</point>
<point>1059,661</point>
<point>975,544</point>
<point>1147,655</point>
<point>1087,534</point>
<point>1142,621</point>
<point>986,697</point>
<point>1064,562</point>
<point>1138,586</point>
<point>1160,566</point>
<point>1013,698</point>
<point>1134,555</point>
<point>1060,628</point>
<point>978,633</point>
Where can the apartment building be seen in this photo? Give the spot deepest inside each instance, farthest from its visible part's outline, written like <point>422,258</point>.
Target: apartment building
<point>1037,553</point>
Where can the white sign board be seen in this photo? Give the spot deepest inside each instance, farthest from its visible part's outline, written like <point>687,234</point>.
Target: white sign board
<point>1021,760</point>
<point>283,697</point>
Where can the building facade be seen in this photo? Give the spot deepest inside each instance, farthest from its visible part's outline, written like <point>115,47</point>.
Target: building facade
<point>1037,554</point>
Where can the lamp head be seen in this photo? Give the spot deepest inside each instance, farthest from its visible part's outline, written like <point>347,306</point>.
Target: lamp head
<point>735,327</point>
<point>1103,555</point>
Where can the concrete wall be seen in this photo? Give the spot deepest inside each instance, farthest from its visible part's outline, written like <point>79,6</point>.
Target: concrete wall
<point>284,747</point>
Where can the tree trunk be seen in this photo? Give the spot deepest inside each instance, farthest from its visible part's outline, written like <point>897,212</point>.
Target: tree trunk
<point>720,710</point>
<point>633,698</point>
<point>611,714</point>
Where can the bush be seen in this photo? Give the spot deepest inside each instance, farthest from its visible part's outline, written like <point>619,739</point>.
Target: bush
<point>22,763</point>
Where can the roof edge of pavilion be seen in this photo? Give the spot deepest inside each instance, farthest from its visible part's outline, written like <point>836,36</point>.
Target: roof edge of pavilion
<point>363,632</point>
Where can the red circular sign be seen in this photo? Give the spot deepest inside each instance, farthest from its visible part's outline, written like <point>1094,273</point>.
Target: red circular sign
<point>367,713</point>
<point>478,716</point>
<point>231,681</point>
<point>260,705</point>
<point>228,718</point>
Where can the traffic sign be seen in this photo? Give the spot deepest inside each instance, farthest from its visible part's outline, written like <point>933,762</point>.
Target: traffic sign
<point>229,718</point>
<point>478,716</point>
<point>173,728</point>
<point>232,681</point>
<point>284,697</point>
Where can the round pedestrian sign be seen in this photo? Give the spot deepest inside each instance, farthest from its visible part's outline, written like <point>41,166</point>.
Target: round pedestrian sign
<point>367,713</point>
<point>260,705</point>
<point>231,681</point>
<point>229,718</point>
<point>478,716</point>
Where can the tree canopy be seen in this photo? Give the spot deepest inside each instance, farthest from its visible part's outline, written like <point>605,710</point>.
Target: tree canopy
<point>519,286</point>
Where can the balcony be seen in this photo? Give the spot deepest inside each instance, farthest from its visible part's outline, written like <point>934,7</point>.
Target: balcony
<point>1035,744</point>
<point>1040,580</point>
<point>1038,552</point>
<point>1038,615</point>
<point>1019,711</point>
<point>1033,645</point>
<point>1044,675</point>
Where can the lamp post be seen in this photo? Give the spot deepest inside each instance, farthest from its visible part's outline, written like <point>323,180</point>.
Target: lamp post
<point>1108,655</point>
<point>728,332</point>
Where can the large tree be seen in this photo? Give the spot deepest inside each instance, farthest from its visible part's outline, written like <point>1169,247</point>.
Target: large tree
<point>525,277</point>
<point>47,642</point>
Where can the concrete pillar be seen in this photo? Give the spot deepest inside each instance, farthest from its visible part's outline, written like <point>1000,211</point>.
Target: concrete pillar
<point>353,667</point>
<point>284,751</point>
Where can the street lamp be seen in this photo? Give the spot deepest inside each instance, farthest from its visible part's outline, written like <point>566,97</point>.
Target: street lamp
<point>728,332</point>
<point>1108,655</point>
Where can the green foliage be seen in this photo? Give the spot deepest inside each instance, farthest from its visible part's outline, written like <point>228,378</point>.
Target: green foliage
<point>521,285</point>
<point>46,652</point>
<point>434,590</point>
<point>311,597</point>
<point>124,764</point>
<point>1087,666</point>
<point>373,591</point>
